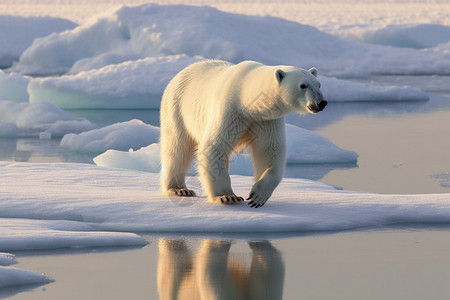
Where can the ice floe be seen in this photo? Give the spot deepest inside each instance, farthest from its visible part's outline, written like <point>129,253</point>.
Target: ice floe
<point>10,277</point>
<point>7,259</point>
<point>133,134</point>
<point>33,119</point>
<point>122,200</point>
<point>27,234</point>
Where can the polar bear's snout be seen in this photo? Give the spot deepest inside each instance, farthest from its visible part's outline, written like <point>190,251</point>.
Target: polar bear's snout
<point>317,107</point>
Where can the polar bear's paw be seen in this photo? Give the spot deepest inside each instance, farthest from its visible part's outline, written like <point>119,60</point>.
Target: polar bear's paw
<point>258,197</point>
<point>227,199</point>
<point>181,192</point>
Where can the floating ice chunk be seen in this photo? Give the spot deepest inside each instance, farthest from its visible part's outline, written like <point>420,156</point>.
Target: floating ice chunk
<point>14,86</point>
<point>7,259</point>
<point>13,277</point>
<point>132,85</point>
<point>24,234</point>
<point>27,119</point>
<point>444,179</point>
<point>145,159</point>
<point>303,147</point>
<point>120,136</point>
<point>17,34</point>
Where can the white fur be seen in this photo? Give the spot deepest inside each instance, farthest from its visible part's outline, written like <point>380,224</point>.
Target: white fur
<point>213,108</point>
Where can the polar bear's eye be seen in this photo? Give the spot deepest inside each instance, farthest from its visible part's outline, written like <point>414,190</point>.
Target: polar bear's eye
<point>303,86</point>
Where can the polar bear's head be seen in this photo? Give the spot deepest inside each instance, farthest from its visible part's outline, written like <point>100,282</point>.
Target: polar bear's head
<point>300,89</point>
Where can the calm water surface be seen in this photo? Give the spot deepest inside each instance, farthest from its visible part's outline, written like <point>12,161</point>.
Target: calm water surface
<point>381,264</point>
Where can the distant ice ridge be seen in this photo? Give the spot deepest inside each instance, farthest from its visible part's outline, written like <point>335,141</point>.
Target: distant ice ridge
<point>303,147</point>
<point>95,202</point>
<point>131,33</point>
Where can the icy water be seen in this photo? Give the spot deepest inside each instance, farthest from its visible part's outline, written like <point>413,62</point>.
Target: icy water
<point>383,264</point>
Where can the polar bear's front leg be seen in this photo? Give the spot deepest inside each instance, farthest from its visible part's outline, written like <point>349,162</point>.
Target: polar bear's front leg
<point>269,159</point>
<point>213,163</point>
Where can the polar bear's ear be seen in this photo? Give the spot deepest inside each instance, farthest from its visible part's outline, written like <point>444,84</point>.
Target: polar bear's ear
<point>279,75</point>
<point>313,71</point>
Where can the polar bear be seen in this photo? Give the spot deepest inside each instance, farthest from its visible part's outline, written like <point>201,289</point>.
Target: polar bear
<point>213,108</point>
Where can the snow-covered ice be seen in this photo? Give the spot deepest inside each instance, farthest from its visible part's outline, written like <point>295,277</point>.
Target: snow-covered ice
<point>28,234</point>
<point>130,33</point>
<point>18,33</point>
<point>133,134</point>
<point>14,277</point>
<point>303,147</point>
<point>104,199</point>
<point>31,119</point>
<point>131,85</point>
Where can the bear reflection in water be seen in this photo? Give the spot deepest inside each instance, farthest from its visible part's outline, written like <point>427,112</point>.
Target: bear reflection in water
<point>210,274</point>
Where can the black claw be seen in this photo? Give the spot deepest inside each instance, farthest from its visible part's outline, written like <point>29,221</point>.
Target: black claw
<point>241,199</point>
<point>176,192</point>
<point>262,205</point>
<point>221,200</point>
<point>250,196</point>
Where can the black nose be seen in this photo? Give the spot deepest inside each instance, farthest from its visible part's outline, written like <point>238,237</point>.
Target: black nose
<point>322,104</point>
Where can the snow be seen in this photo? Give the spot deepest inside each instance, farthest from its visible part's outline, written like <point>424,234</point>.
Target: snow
<point>120,136</point>
<point>17,34</point>
<point>132,85</point>
<point>303,147</point>
<point>26,234</point>
<point>110,200</point>
<point>31,119</point>
<point>131,33</point>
